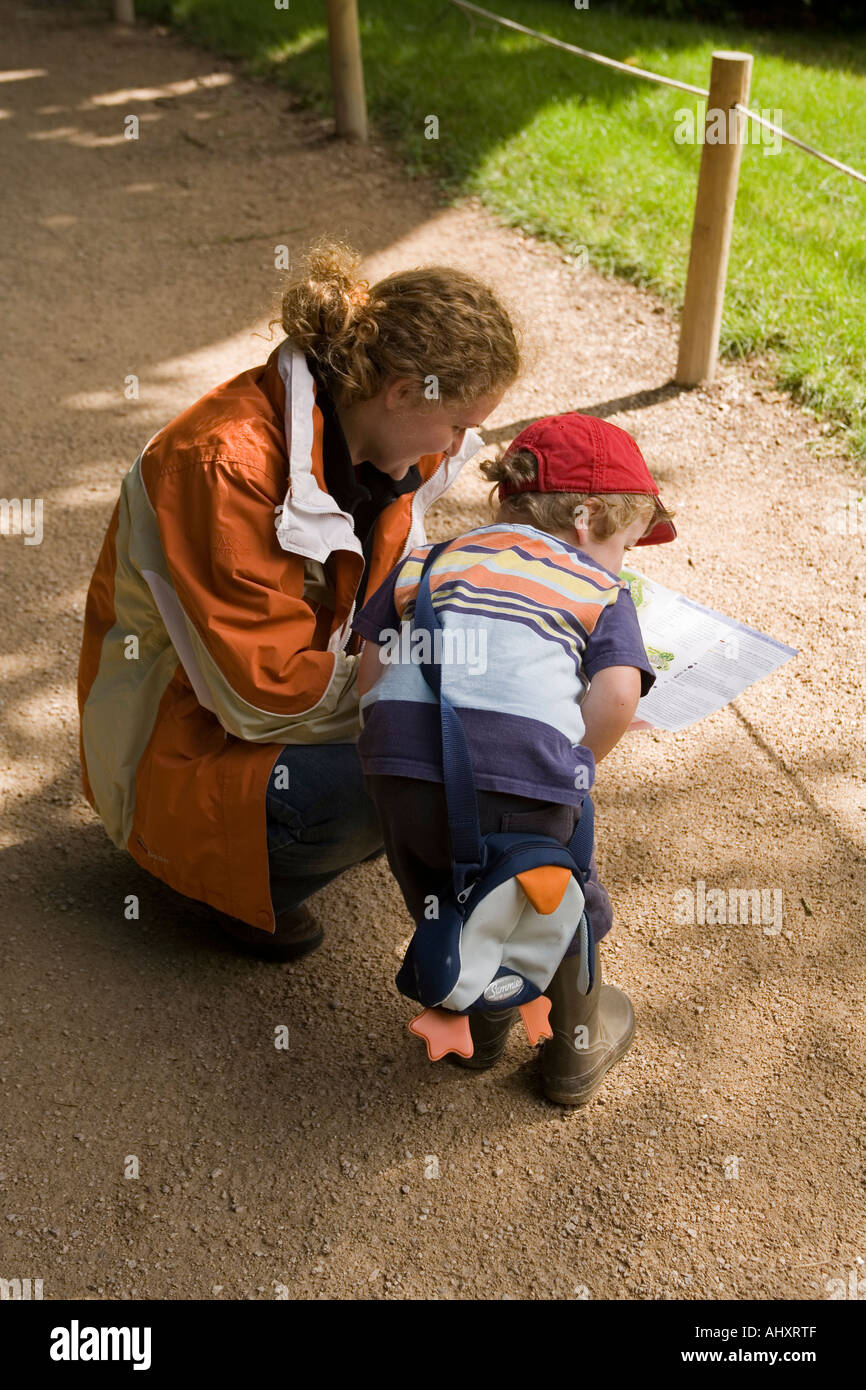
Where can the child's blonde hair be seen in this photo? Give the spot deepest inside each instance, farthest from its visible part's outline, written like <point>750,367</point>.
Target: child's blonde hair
<point>435,324</point>
<point>554,511</point>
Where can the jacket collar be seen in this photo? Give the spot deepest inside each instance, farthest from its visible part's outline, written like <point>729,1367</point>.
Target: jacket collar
<point>363,491</point>
<point>312,522</point>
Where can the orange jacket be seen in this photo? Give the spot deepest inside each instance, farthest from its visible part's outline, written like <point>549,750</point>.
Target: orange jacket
<point>217,628</point>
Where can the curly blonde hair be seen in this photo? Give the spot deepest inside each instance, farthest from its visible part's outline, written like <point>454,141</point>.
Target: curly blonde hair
<point>554,511</point>
<point>433,324</point>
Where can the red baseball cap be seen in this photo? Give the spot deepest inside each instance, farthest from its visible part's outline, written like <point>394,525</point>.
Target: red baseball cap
<point>580,453</point>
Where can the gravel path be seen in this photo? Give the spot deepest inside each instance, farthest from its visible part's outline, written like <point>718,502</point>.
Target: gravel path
<point>724,1157</point>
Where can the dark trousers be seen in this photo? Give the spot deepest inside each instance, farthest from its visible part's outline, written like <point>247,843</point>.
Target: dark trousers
<point>320,820</point>
<point>414,819</point>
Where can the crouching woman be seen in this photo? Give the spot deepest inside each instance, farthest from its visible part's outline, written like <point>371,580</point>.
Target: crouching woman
<point>217,680</point>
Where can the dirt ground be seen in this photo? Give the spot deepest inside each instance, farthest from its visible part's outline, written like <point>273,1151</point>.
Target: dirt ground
<point>724,1156</point>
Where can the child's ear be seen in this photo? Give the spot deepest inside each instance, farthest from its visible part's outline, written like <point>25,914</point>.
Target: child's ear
<point>582,518</point>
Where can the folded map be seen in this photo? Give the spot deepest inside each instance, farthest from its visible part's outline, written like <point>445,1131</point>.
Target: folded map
<point>701,658</point>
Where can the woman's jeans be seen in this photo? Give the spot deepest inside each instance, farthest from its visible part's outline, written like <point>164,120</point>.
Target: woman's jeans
<point>320,820</point>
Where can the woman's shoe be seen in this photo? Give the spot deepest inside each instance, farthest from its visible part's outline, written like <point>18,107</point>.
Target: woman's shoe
<point>489,1036</point>
<point>297,933</point>
<point>590,1033</point>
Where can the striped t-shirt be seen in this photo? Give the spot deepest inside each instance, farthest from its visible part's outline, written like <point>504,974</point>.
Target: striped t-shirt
<point>527,622</point>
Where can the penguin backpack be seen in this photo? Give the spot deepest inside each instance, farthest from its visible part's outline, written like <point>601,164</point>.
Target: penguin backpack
<point>494,941</point>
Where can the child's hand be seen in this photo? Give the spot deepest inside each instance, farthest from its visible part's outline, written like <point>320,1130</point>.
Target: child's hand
<point>638,724</point>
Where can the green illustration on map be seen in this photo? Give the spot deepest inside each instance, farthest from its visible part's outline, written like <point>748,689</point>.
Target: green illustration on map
<point>659,660</point>
<point>635,586</point>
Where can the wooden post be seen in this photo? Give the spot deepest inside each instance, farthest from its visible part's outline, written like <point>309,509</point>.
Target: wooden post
<point>347,70</point>
<point>124,11</point>
<point>714,219</point>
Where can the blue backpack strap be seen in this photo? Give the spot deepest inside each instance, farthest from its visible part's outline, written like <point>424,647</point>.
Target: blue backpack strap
<point>581,843</point>
<point>580,848</point>
<point>464,825</point>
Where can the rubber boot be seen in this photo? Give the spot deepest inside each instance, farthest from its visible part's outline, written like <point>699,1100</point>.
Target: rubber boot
<point>590,1032</point>
<point>489,1036</point>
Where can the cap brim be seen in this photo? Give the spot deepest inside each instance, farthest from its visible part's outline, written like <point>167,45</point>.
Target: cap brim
<point>661,532</point>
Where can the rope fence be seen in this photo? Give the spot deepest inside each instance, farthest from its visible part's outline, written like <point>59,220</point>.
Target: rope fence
<point>651,77</point>
<point>581,52</point>
<point>801,144</point>
<point>713,221</point>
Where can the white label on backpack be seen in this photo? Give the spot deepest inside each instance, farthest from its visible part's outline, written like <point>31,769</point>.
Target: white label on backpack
<point>503,988</point>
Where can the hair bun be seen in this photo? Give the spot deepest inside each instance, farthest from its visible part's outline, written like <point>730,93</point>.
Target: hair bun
<point>359,295</point>
<point>433,320</point>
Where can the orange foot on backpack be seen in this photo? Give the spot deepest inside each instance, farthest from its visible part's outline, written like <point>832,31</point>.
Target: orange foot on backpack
<point>443,1031</point>
<point>535,1019</point>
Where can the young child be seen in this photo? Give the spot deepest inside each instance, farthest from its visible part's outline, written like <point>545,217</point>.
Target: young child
<point>551,666</point>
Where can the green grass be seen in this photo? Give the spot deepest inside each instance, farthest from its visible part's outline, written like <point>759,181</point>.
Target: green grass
<point>573,152</point>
